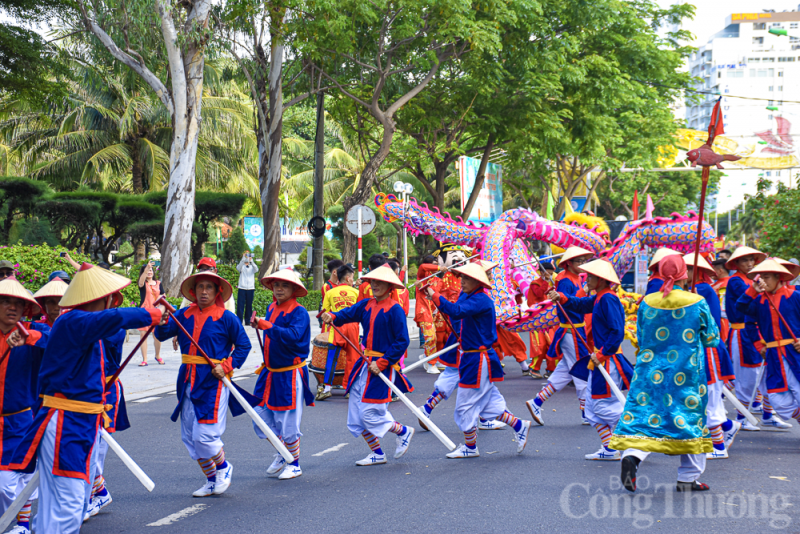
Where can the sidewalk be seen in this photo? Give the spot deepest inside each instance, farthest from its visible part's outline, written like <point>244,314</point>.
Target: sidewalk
<point>155,379</point>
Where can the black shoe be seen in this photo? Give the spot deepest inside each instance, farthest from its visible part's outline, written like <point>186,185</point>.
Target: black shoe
<point>692,486</point>
<point>630,464</point>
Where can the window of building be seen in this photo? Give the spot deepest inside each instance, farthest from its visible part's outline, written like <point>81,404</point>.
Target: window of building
<point>769,173</point>
<point>770,88</point>
<point>769,117</point>
<point>736,73</point>
<point>794,39</point>
<point>776,24</point>
<point>771,73</point>
<point>759,25</point>
<point>793,26</point>
<point>758,40</point>
<point>753,59</point>
<point>770,103</point>
<point>777,173</point>
<point>785,60</point>
<point>762,73</point>
<point>780,73</point>
<point>780,88</point>
<point>769,60</point>
<point>752,73</point>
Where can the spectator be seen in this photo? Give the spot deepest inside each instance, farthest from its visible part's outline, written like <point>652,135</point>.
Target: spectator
<point>247,287</point>
<point>333,281</point>
<point>149,291</point>
<point>724,254</point>
<point>6,269</point>
<point>63,275</point>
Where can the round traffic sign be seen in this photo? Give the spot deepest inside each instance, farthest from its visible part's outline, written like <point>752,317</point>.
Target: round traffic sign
<point>368,220</point>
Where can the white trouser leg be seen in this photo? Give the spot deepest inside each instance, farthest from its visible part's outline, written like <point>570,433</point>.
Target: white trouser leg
<point>605,411</point>
<point>787,402</point>
<point>374,418</point>
<point>447,382</point>
<point>692,466</point>
<point>472,403</point>
<point>202,440</point>
<point>285,423</point>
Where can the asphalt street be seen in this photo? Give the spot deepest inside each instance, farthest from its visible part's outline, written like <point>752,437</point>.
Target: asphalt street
<point>548,487</point>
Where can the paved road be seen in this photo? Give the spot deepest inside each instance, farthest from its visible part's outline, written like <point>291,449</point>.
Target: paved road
<point>549,487</point>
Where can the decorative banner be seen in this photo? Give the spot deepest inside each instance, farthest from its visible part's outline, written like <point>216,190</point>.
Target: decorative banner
<point>254,232</point>
<point>489,205</point>
<point>641,273</point>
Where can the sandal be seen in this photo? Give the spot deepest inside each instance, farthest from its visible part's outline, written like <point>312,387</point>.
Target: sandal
<point>535,375</point>
<point>143,364</point>
<point>160,360</point>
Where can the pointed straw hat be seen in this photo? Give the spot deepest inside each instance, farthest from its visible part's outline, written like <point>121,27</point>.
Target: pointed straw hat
<point>10,287</point>
<point>476,272</point>
<point>660,255</point>
<point>791,267</point>
<point>574,252</point>
<point>701,262</point>
<point>54,288</point>
<point>384,273</point>
<point>488,265</point>
<point>742,252</point>
<point>92,283</point>
<point>601,269</point>
<point>772,266</point>
<point>286,275</point>
<point>187,287</point>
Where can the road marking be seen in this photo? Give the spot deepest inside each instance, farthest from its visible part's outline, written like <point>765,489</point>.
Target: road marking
<point>177,516</point>
<point>335,448</point>
<point>146,399</point>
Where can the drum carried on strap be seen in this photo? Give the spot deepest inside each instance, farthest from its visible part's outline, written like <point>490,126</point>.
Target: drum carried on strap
<point>319,359</point>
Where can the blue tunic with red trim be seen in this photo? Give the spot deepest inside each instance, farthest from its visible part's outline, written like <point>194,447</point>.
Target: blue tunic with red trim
<point>722,365</point>
<point>478,334</point>
<point>655,283</point>
<point>73,367</point>
<point>19,399</point>
<point>115,396</point>
<point>386,332</point>
<point>568,284</point>
<point>287,337</point>
<point>216,330</point>
<point>749,335</point>
<point>787,300</point>
<point>608,330</point>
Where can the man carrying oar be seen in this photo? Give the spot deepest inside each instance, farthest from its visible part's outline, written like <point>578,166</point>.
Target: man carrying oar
<point>202,397</point>
<point>72,384</point>
<point>386,340</point>
<point>19,370</point>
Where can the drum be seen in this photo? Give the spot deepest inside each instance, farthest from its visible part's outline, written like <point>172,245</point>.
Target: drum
<point>319,356</point>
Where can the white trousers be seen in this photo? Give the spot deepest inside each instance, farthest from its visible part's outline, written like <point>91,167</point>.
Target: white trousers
<point>715,409</point>
<point>447,382</point>
<point>472,403</point>
<point>285,423</point>
<point>690,469</point>
<point>605,411</point>
<point>745,376</point>
<point>361,416</point>
<point>787,402</point>
<point>202,440</point>
<point>560,377</point>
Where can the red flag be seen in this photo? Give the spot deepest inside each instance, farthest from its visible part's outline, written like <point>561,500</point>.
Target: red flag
<point>715,125</point>
<point>635,205</point>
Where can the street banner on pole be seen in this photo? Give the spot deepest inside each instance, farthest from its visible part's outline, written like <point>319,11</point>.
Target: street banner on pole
<point>489,205</point>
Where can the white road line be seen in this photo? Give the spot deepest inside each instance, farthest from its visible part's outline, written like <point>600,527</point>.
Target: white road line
<point>335,448</point>
<point>146,399</point>
<point>177,516</point>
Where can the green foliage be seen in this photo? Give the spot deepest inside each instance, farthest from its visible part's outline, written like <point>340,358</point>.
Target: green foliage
<point>19,196</point>
<point>781,219</point>
<point>258,252</point>
<point>32,231</point>
<point>235,246</point>
<point>34,263</point>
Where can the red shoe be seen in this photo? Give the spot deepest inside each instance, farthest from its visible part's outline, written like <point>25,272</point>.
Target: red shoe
<point>160,360</point>
<point>143,364</point>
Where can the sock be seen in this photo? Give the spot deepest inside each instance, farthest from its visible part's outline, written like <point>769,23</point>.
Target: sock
<point>717,437</point>
<point>327,388</point>
<point>209,468</point>
<point>294,448</point>
<point>768,411</point>
<point>605,434</point>
<point>509,419</point>
<point>739,417</point>
<point>372,441</point>
<point>524,365</point>
<point>397,428</point>
<point>796,415</point>
<point>583,404</point>
<point>24,515</point>
<point>219,459</point>
<point>433,400</point>
<point>727,425</point>
<point>98,486</point>
<point>545,394</point>
<point>758,400</point>
<point>471,438</point>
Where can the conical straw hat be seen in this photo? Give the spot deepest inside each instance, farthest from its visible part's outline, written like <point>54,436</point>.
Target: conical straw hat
<point>289,276</point>
<point>54,288</point>
<point>384,273</point>
<point>92,283</point>
<point>701,262</point>
<point>791,267</point>
<point>10,287</point>
<point>474,271</point>
<point>601,269</point>
<point>188,285</point>
<point>660,255</point>
<point>488,265</point>
<point>740,253</point>
<point>574,252</point>
<point>772,266</point>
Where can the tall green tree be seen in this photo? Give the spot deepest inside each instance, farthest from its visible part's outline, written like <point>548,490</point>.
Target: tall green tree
<point>19,197</point>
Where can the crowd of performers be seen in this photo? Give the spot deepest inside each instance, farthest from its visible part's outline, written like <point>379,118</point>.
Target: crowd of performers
<point>61,396</point>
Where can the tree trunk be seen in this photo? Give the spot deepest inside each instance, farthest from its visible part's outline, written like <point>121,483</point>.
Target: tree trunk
<point>137,171</point>
<point>476,189</point>
<point>441,172</point>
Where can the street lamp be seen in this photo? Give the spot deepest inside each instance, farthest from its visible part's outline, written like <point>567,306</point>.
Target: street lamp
<point>404,189</point>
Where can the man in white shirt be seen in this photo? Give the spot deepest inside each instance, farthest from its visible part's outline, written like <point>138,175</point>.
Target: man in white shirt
<point>247,287</point>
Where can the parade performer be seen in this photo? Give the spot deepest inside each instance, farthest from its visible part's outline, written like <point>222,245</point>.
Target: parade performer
<point>603,409</point>
<point>479,367</point>
<point>655,281</point>
<point>202,398</point>
<point>448,285</point>
<point>48,297</point>
<point>284,375</point>
<point>721,277</point>
<point>744,342</point>
<point>209,265</point>
<point>386,340</point>
<point>565,345</point>
<point>541,339</point>
<point>330,283</point>
<point>424,311</point>
<point>511,344</point>
<point>338,297</point>
<point>72,388</point>
<point>665,410</point>
<point>19,372</point>
<point>776,307</point>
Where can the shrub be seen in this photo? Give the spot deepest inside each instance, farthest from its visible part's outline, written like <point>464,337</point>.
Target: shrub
<point>34,263</point>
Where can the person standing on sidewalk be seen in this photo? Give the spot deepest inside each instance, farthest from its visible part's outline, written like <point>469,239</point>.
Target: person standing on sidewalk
<point>149,291</point>
<point>247,287</point>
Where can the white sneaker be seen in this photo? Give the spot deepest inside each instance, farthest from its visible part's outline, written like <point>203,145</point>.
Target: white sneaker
<point>490,424</point>
<point>441,367</point>
<point>372,459</point>
<point>403,441</point>
<point>463,452</point>
<point>433,370</point>
<point>584,421</point>
<point>757,409</point>
<point>522,436</point>
<point>275,467</point>
<point>19,529</point>
<point>99,502</point>
<point>727,437</point>
<point>536,412</point>
<point>775,424</point>
<point>427,416</point>
<point>717,454</point>
<point>291,471</point>
<point>604,454</point>
<point>223,479</point>
<point>205,491</point>
<point>747,425</point>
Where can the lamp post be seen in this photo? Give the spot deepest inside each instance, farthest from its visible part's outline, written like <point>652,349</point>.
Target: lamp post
<point>404,189</point>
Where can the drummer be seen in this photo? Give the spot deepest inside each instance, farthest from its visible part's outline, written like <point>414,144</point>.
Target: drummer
<point>340,296</point>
